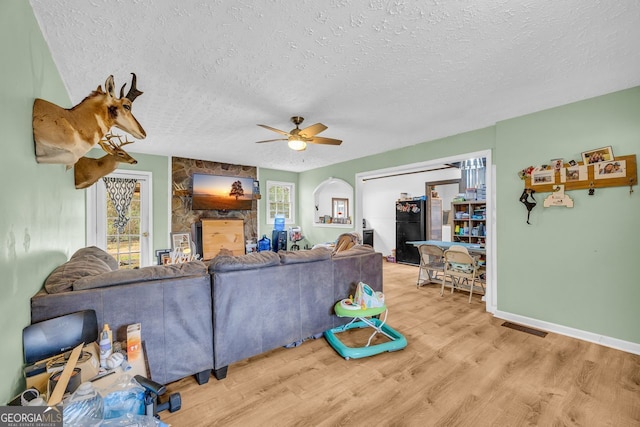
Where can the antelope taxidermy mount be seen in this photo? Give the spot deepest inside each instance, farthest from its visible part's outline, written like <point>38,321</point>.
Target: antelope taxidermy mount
<point>87,170</point>
<point>65,135</point>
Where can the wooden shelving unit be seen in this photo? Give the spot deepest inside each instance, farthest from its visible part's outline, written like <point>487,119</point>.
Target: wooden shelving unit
<point>469,221</point>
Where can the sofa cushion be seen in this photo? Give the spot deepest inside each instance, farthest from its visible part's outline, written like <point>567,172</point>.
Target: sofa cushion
<point>98,253</point>
<point>63,277</point>
<point>145,274</point>
<point>244,262</point>
<point>295,257</point>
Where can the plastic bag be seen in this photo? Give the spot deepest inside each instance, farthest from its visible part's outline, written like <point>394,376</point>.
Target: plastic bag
<point>123,397</point>
<point>85,407</point>
<point>366,298</point>
<point>130,420</point>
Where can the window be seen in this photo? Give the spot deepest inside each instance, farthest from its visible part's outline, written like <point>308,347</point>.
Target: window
<point>124,245</point>
<point>281,200</point>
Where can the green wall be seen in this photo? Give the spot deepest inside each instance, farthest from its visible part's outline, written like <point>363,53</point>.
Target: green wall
<point>42,215</point>
<point>571,266</point>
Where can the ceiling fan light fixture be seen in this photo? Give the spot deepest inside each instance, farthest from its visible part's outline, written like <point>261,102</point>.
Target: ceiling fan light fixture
<point>297,144</point>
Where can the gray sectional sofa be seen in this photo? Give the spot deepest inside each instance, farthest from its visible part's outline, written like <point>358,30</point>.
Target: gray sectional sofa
<point>266,300</point>
<point>198,317</point>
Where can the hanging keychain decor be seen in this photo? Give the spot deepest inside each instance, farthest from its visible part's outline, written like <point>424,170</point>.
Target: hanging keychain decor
<point>524,198</point>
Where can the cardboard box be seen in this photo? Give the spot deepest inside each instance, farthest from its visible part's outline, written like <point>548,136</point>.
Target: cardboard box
<point>88,362</point>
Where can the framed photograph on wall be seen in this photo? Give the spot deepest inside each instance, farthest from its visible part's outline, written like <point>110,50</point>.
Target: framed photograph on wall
<point>604,154</point>
<point>615,169</point>
<point>543,177</point>
<point>574,173</point>
<point>181,241</point>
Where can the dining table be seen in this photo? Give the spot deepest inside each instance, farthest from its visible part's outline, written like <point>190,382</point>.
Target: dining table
<point>473,248</point>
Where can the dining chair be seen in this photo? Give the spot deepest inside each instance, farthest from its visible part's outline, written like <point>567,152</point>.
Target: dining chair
<point>458,248</point>
<point>459,266</point>
<point>431,263</point>
<point>481,271</point>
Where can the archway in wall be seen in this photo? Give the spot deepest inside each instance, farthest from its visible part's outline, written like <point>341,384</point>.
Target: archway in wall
<point>410,169</point>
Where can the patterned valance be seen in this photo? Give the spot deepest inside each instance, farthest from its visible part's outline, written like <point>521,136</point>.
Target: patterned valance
<point>120,192</point>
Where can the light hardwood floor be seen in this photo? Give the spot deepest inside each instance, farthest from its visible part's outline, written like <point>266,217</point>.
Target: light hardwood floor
<point>460,368</point>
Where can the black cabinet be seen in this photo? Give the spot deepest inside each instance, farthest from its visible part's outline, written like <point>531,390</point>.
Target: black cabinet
<point>367,237</point>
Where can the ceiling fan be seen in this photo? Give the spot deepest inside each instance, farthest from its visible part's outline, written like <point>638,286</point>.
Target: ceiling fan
<point>299,138</point>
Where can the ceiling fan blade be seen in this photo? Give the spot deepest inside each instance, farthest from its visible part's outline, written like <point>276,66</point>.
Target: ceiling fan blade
<point>327,141</point>
<point>272,140</point>
<point>312,130</point>
<point>275,130</point>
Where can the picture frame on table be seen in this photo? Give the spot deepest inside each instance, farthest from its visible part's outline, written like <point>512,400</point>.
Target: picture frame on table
<point>181,242</point>
<point>604,154</point>
<point>162,255</point>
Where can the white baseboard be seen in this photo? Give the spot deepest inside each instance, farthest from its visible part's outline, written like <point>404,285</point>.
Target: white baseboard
<point>618,344</point>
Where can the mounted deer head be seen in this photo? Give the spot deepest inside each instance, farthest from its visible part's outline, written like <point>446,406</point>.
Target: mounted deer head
<point>65,135</point>
<point>87,170</point>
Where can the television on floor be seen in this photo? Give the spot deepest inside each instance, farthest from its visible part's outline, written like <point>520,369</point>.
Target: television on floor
<point>220,192</point>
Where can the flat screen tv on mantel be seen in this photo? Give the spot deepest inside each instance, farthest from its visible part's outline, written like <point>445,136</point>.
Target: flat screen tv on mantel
<point>220,192</point>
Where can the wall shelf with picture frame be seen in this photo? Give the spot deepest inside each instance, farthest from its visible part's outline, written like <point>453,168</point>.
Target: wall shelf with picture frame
<point>618,171</point>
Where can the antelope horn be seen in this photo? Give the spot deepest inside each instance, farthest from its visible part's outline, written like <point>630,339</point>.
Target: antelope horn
<point>133,91</point>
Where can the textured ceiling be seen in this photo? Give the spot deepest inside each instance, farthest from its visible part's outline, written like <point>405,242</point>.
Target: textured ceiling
<point>379,74</point>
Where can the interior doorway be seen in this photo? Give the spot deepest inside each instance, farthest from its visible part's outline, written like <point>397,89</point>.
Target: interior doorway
<point>367,193</point>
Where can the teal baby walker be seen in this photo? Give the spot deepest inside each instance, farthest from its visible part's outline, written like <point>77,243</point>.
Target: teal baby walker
<point>362,309</point>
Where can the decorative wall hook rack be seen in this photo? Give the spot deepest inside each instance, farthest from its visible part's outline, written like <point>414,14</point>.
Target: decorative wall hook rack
<point>593,179</point>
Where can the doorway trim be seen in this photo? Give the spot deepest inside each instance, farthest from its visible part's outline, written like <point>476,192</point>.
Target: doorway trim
<point>491,300</point>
